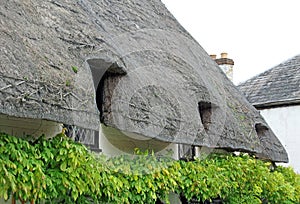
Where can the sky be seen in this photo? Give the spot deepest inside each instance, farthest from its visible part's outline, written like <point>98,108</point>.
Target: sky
<point>256,34</point>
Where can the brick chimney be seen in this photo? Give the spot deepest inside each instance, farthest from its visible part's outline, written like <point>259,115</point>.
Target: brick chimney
<point>225,63</point>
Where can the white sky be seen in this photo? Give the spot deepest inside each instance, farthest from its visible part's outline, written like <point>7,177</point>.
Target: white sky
<point>257,34</point>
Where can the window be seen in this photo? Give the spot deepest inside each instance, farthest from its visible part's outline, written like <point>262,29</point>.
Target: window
<point>261,131</point>
<point>106,76</point>
<point>186,152</point>
<point>205,110</point>
<point>87,137</point>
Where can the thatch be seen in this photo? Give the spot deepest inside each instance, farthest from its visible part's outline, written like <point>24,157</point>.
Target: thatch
<point>159,81</point>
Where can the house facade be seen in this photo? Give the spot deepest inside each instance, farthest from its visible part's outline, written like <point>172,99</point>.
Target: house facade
<point>122,75</point>
<point>276,94</point>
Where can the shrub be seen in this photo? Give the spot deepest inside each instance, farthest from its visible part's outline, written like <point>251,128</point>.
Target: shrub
<point>63,171</point>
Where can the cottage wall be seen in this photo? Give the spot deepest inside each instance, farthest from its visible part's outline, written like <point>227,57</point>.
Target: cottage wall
<point>285,122</point>
<point>114,142</point>
<point>26,126</point>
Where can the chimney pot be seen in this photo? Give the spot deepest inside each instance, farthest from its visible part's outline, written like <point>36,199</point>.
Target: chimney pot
<point>213,56</point>
<point>224,55</point>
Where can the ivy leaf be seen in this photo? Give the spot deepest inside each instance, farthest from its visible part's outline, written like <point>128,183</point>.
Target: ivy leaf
<point>63,166</point>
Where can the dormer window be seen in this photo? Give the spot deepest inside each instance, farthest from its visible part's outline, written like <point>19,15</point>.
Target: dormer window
<point>106,76</point>
<point>205,110</point>
<point>261,131</point>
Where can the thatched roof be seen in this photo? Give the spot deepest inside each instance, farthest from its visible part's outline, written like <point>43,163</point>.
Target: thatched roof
<point>159,81</point>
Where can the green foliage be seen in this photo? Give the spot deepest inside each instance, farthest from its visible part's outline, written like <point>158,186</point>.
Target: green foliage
<point>56,169</point>
<point>59,170</point>
<point>139,178</point>
<point>21,172</point>
<point>71,171</point>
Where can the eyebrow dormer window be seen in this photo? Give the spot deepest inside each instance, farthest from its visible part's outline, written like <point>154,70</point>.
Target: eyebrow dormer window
<point>106,76</point>
<point>205,110</point>
<point>261,131</point>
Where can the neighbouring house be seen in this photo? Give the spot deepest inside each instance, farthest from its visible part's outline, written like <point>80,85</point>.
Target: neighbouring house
<point>120,75</point>
<point>276,94</point>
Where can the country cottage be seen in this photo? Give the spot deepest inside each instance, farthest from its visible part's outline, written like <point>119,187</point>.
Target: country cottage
<point>127,65</point>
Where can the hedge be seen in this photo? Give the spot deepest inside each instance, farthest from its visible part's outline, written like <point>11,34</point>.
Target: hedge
<point>59,170</point>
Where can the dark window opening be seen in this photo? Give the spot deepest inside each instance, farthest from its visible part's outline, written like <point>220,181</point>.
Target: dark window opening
<point>194,200</point>
<point>261,131</point>
<point>100,97</point>
<point>89,138</point>
<point>106,76</point>
<point>104,94</point>
<point>205,110</point>
<point>186,152</point>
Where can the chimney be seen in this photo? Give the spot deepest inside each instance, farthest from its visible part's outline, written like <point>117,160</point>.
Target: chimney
<point>225,63</point>
<point>214,57</point>
<point>224,55</point>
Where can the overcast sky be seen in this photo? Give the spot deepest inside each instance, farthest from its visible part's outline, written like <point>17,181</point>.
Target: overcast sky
<point>256,34</point>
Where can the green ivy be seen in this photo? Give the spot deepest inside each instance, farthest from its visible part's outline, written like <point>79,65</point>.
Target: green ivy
<point>59,170</point>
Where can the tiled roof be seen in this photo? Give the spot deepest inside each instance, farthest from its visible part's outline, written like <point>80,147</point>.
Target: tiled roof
<point>279,85</point>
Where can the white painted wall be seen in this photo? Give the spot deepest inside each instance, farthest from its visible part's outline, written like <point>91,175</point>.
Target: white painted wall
<point>114,142</point>
<point>228,70</point>
<point>285,123</point>
<point>26,126</point>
